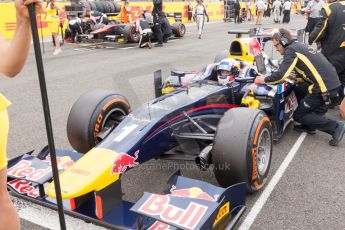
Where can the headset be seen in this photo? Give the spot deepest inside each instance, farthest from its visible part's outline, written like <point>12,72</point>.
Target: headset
<point>283,40</point>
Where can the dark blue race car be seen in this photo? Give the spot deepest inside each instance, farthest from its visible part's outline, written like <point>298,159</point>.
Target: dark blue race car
<point>231,127</point>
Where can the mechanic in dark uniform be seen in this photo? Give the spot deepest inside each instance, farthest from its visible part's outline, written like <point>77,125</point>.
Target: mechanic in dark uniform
<point>321,77</point>
<point>330,31</point>
<point>142,25</point>
<point>157,13</point>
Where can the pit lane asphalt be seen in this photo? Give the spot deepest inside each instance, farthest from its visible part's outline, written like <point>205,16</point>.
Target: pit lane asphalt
<point>310,194</point>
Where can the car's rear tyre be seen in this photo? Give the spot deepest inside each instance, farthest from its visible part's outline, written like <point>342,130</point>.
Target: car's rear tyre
<point>130,34</point>
<point>94,112</point>
<point>242,148</point>
<point>179,29</point>
<point>221,55</point>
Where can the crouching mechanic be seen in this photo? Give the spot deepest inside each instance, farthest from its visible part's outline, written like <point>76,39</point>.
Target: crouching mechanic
<point>74,28</point>
<point>321,77</point>
<point>227,70</point>
<point>143,27</point>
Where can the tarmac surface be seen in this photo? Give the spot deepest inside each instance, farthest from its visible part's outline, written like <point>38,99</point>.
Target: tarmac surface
<point>309,194</point>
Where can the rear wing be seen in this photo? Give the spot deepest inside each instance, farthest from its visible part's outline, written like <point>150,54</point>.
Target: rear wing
<point>191,204</point>
<point>266,33</point>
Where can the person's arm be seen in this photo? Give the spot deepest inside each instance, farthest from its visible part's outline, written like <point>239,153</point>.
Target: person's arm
<point>321,26</point>
<point>14,54</point>
<point>206,14</point>
<point>288,64</point>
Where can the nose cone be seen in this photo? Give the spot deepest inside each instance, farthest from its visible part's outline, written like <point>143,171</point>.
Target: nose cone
<point>90,173</point>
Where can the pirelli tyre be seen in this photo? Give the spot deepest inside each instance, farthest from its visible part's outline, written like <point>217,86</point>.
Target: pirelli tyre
<point>93,116</point>
<point>242,149</point>
<point>92,6</point>
<point>110,6</point>
<point>130,34</point>
<point>179,29</point>
<point>117,7</point>
<point>221,55</point>
<point>86,5</point>
<point>99,6</point>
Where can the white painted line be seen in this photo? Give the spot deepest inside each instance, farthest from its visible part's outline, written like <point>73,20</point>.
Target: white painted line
<point>127,48</point>
<point>268,190</point>
<point>84,49</point>
<point>48,218</point>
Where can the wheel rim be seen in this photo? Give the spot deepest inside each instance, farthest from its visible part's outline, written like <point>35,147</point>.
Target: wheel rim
<point>263,151</point>
<point>135,35</point>
<point>182,30</point>
<point>110,122</point>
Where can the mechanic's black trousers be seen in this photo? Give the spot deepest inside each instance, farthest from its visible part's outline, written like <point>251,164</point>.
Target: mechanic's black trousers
<point>311,112</point>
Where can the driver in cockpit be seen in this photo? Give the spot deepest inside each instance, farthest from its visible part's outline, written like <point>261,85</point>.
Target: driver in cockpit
<point>228,69</point>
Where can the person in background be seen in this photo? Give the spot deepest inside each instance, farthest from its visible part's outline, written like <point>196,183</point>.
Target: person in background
<point>237,7</point>
<point>276,10</point>
<point>313,10</point>
<point>330,32</point>
<point>260,7</point>
<point>200,14</point>
<point>10,65</point>
<point>190,12</point>
<point>286,11</point>
<point>157,14</point>
<point>54,23</point>
<point>320,78</point>
<point>142,25</point>
<point>126,13</point>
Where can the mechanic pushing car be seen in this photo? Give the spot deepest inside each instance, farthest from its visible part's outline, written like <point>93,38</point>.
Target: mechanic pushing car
<point>227,70</point>
<point>330,31</point>
<point>322,80</point>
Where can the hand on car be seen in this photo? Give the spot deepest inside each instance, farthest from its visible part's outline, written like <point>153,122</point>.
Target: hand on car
<point>260,79</point>
<point>22,7</point>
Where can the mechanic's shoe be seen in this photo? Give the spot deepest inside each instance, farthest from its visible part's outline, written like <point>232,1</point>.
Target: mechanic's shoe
<point>158,45</point>
<point>338,134</point>
<point>304,128</point>
<point>57,51</point>
<point>335,102</point>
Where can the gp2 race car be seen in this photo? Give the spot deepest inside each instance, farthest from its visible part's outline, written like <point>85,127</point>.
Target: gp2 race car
<point>111,30</point>
<point>232,128</point>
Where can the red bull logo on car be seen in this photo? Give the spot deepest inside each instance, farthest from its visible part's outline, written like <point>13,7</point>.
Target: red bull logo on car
<point>62,162</point>
<point>23,169</point>
<point>159,205</point>
<point>193,192</point>
<point>24,187</point>
<point>123,162</point>
<point>159,226</point>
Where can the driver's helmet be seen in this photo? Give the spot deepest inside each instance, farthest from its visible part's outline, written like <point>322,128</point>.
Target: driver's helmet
<point>227,70</point>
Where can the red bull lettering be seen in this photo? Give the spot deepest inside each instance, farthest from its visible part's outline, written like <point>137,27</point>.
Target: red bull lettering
<point>123,162</point>
<point>24,187</point>
<point>159,226</point>
<point>23,170</point>
<point>159,205</point>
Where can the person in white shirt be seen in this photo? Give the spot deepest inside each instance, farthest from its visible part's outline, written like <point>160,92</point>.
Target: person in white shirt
<point>286,11</point>
<point>276,10</point>
<point>200,14</point>
<point>260,7</point>
<point>313,11</point>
